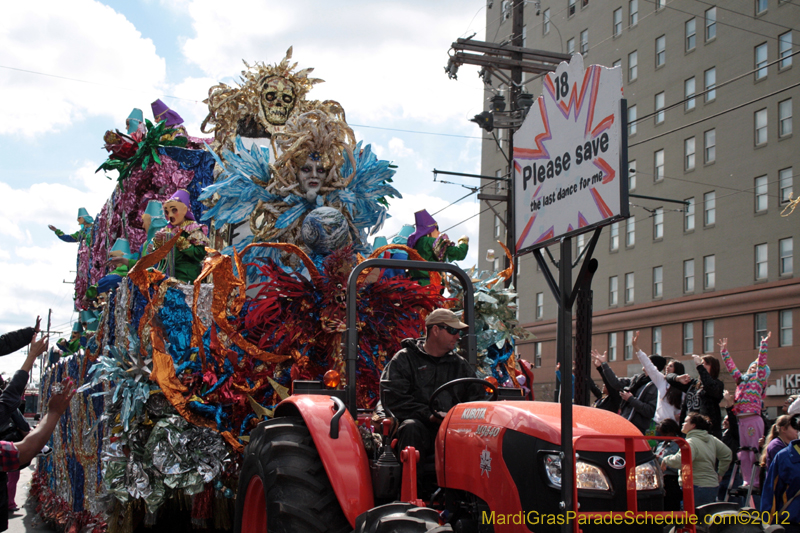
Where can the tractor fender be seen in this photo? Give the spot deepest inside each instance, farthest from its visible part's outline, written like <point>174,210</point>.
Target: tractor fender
<point>344,458</point>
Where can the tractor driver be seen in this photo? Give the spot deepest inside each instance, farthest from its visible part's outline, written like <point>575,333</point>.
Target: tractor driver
<point>416,371</point>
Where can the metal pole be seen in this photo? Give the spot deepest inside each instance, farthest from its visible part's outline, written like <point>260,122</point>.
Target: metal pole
<point>564,354</point>
<point>583,335</point>
<point>517,23</point>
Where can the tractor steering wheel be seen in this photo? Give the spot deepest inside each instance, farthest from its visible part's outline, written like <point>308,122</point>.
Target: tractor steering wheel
<point>461,381</point>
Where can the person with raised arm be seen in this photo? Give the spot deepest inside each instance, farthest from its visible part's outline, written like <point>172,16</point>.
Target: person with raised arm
<point>638,393</point>
<point>702,394</point>
<point>668,404</point>
<point>751,388</point>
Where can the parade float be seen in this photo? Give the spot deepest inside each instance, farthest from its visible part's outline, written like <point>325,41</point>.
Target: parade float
<point>212,279</point>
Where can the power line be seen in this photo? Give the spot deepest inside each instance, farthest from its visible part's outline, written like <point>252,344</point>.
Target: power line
<point>714,88</point>
<point>734,108</point>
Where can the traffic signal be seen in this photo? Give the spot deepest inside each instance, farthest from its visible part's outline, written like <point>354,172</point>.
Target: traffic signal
<point>485,120</point>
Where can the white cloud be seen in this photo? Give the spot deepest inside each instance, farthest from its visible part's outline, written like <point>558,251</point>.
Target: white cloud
<point>397,148</point>
<point>53,203</point>
<point>80,40</point>
<point>381,60</point>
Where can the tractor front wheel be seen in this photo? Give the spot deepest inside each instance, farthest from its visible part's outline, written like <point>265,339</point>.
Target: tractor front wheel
<point>283,486</point>
<point>400,518</point>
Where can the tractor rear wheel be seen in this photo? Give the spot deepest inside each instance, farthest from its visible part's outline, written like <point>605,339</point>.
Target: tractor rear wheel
<point>283,486</point>
<point>400,518</point>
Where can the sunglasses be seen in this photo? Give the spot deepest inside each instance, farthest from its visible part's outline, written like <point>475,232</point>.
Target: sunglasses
<point>451,330</point>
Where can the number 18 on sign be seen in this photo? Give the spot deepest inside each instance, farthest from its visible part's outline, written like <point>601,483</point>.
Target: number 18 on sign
<point>570,156</point>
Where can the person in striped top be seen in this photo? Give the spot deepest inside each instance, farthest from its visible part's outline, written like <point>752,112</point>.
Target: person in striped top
<point>750,391</point>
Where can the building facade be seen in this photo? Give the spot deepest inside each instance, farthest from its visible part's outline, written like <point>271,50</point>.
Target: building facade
<point>710,90</point>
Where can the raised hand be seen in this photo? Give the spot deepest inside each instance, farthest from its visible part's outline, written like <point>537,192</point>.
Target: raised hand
<point>685,379</point>
<point>697,359</point>
<point>635,342</point>
<point>765,339</point>
<point>723,345</point>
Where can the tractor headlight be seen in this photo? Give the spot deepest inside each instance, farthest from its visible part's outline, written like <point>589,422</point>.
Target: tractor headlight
<point>589,476</point>
<point>648,476</point>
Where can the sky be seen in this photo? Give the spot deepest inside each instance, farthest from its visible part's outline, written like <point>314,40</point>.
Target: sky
<point>70,71</point>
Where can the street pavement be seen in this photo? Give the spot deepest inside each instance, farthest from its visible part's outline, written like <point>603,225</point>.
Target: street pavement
<point>25,519</point>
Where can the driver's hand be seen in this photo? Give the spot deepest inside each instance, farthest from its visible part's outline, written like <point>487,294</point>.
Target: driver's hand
<point>437,417</point>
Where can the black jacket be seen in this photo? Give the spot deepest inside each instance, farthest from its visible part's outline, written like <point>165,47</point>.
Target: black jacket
<point>704,400</point>
<point>609,402</point>
<point>411,377</point>
<point>13,341</point>
<point>641,408</point>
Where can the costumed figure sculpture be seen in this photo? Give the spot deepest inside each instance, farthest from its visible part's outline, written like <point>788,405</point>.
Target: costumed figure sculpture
<point>266,98</point>
<point>433,246</point>
<point>320,166</point>
<point>84,234</point>
<point>190,250</point>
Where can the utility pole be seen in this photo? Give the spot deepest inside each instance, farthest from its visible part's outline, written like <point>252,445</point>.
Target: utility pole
<point>498,61</point>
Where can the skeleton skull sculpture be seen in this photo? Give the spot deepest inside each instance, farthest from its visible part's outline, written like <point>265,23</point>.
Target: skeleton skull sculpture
<point>277,100</point>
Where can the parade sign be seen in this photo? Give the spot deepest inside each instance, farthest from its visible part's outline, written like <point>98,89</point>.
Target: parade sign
<point>570,156</point>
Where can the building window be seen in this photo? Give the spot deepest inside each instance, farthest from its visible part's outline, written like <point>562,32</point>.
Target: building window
<point>499,187</point>
<point>584,3</point>
<point>497,226</point>
<point>657,340</point>
<point>710,146</point>
<point>525,35</point>
<point>537,355</point>
<point>761,127</point>
<point>691,34</point>
<point>633,9</point>
<point>613,291</point>
<point>629,288</point>
<point>661,50</point>
<point>617,63</point>
<point>546,21</point>
<point>761,261</point>
<point>617,21</point>
<point>761,327</point>
<point>785,319</point>
<point>584,41</point>
<point>710,80</point>
<point>660,4</point>
<point>571,46</point>
<point>761,194</point>
<point>631,175</point>
<point>761,6</point>
<point>658,157</point>
<point>761,61</point>
<point>710,208</point>
<point>658,223</point>
<point>633,65</point>
<point>786,247</point>
<point>571,7</point>
<point>785,50</point>
<point>629,345</point>
<point>539,305</point>
<point>688,276</point>
<point>785,118</point>
<point>785,176</point>
<point>688,338</point>
<point>658,282</point>
<point>688,93</point>
<point>711,23</point>
<point>708,336</point>
<point>612,346</point>
<point>660,108</point>
<point>688,215</point>
<point>614,244</point>
<point>632,120</point>
<point>688,153</point>
<point>630,232</point>
<point>709,272</point>
<point>580,243</point>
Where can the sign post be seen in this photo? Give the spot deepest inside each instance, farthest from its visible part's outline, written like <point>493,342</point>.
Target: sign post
<point>571,177</point>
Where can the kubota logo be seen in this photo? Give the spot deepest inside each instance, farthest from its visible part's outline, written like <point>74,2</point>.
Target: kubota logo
<point>615,461</point>
<point>473,413</point>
